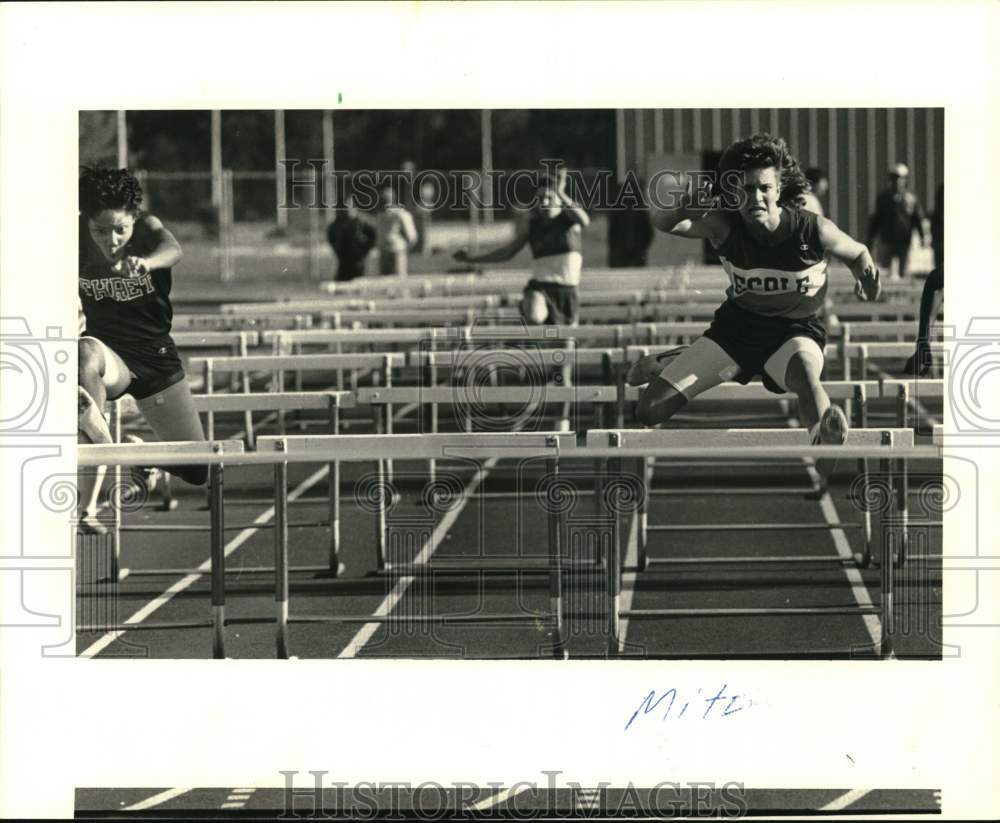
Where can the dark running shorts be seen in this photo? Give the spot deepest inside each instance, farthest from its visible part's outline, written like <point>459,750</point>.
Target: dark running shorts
<point>156,365</point>
<point>750,339</point>
<point>563,302</point>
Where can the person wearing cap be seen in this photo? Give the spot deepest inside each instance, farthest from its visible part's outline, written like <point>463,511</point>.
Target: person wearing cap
<point>890,229</point>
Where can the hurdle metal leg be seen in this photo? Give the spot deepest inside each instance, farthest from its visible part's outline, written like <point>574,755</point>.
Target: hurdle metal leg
<point>555,566</point>
<point>431,379</point>
<point>244,385</point>
<point>886,571</point>
<point>599,418</point>
<point>384,499</point>
<point>217,515</point>
<point>614,570</point>
<point>281,558</point>
<point>860,420</point>
<point>644,466</point>
<point>902,498</point>
<point>333,495</point>
<point>387,381</point>
<point>209,378</point>
<point>116,498</point>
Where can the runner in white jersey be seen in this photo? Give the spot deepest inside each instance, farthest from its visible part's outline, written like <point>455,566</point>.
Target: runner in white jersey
<point>553,230</point>
<point>776,257</point>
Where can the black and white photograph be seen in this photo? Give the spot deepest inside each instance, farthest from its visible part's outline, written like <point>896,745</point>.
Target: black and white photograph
<point>462,400</point>
<point>494,410</point>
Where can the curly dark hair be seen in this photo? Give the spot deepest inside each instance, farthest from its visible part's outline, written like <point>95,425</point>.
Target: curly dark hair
<point>103,188</point>
<point>762,151</point>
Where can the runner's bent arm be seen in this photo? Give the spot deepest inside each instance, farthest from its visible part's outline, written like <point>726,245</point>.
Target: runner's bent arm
<point>167,252</point>
<point>697,224</point>
<point>853,254</point>
<point>504,252</point>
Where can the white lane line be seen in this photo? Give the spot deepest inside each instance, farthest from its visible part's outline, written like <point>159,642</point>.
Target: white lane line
<point>843,547</point>
<point>845,800</point>
<point>501,796</point>
<point>237,798</point>
<point>185,582</point>
<point>156,800</point>
<point>392,599</point>
<point>629,578</point>
<point>853,574</point>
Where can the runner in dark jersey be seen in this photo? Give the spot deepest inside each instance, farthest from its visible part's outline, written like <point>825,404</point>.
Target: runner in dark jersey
<point>125,261</point>
<point>776,258</point>
<point>553,231</point>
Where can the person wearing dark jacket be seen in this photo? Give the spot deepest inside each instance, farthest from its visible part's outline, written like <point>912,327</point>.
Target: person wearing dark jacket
<point>351,238</point>
<point>890,229</point>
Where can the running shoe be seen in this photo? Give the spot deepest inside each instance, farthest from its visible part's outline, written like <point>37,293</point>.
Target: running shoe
<point>646,368</point>
<point>144,478</point>
<point>90,525</point>
<point>833,428</point>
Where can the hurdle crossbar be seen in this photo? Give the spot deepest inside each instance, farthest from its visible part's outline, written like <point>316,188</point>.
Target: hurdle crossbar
<point>301,362</point>
<point>481,395</point>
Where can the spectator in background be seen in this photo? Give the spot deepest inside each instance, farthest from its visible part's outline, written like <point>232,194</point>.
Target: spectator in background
<point>351,237</point>
<point>629,232</point>
<point>819,185</point>
<point>413,200</point>
<point>890,229</point>
<point>395,233</point>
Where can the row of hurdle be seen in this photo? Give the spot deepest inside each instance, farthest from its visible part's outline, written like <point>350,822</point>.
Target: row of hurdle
<point>612,449</point>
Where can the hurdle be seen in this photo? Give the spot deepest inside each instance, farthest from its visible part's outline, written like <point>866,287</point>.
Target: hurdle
<point>330,402</point>
<point>759,445</point>
<point>279,364</point>
<point>308,449</point>
<point>380,400</point>
<point>173,454</point>
<point>240,322</point>
<point>316,308</point>
<point>720,441</point>
<point>864,352</point>
<point>905,392</point>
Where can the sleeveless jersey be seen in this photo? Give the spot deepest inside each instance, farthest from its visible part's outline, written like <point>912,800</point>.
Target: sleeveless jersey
<point>784,280</point>
<point>555,249</point>
<point>124,310</point>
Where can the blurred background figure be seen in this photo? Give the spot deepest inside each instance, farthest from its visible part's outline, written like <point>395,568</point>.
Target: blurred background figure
<point>414,200</point>
<point>553,230</point>
<point>395,233</point>
<point>937,227</point>
<point>813,200</point>
<point>351,237</point>
<point>921,362</point>
<point>630,233</point>
<point>890,230</point>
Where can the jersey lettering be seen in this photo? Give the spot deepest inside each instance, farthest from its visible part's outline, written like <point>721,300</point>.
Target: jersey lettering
<point>119,289</point>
